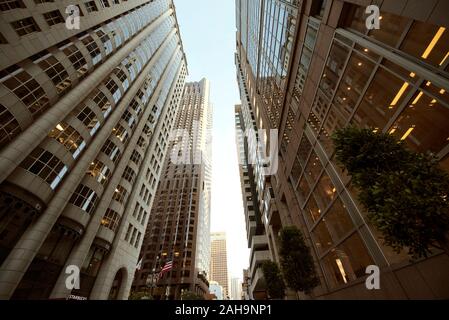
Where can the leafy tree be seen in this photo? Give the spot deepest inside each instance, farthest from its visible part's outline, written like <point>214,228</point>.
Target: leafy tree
<point>140,295</point>
<point>189,295</point>
<point>296,261</point>
<point>405,193</point>
<point>273,279</point>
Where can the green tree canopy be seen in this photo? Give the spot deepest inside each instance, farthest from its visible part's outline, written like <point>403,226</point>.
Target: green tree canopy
<point>405,193</point>
<point>189,295</point>
<point>140,295</point>
<point>273,279</point>
<point>296,261</point>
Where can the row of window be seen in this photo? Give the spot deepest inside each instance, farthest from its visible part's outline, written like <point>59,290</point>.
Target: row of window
<point>33,96</point>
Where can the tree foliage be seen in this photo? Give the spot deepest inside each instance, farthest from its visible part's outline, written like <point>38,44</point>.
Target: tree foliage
<point>405,193</point>
<point>296,261</point>
<point>189,295</point>
<point>273,279</point>
<point>140,295</point>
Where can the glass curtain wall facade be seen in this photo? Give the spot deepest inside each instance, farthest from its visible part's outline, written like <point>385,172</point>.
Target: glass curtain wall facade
<point>86,117</point>
<point>393,79</point>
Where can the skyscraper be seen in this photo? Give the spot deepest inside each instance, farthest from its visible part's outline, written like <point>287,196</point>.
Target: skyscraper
<point>179,225</point>
<point>219,261</point>
<point>86,115</point>
<point>309,67</point>
<point>251,171</point>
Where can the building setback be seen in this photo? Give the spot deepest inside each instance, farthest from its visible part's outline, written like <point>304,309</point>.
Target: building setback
<point>179,225</point>
<point>85,121</point>
<point>309,67</point>
<point>219,261</point>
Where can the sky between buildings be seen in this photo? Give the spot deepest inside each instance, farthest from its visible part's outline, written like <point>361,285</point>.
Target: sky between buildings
<point>208,35</point>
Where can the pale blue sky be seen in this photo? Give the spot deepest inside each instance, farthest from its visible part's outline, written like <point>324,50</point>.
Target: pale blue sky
<point>208,35</point>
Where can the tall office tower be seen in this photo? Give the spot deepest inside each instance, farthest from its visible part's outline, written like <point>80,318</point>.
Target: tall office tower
<point>236,289</point>
<point>312,66</point>
<point>251,171</point>
<point>179,224</point>
<point>86,115</point>
<point>219,261</point>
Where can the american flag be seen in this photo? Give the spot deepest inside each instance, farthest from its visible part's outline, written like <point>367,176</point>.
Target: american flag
<point>167,267</point>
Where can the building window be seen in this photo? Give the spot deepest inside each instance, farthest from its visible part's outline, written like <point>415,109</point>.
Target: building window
<point>93,49</point>
<point>120,133</point>
<point>110,220</point>
<point>107,44</point>
<point>121,75</point>
<point>136,244</point>
<point>136,157</point>
<point>6,5</point>
<point>25,26</point>
<point>105,3</point>
<point>99,171</point>
<point>53,17</point>
<point>91,6</point>
<point>77,59</point>
<point>68,137</point>
<point>347,262</point>
<point>120,194</point>
<point>89,119</point>
<point>111,150</point>
<point>28,91</point>
<point>129,119</point>
<point>45,165</point>
<point>84,198</point>
<point>56,72</point>
<point>129,175</point>
<point>9,126</point>
<point>102,102</point>
<point>128,232</point>
<point>113,88</point>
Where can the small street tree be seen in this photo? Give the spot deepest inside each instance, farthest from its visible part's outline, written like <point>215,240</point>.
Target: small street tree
<point>296,261</point>
<point>189,295</point>
<point>140,295</point>
<point>273,278</point>
<point>405,193</point>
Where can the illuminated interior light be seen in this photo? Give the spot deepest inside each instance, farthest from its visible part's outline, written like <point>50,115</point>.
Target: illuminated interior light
<point>406,134</point>
<point>380,17</point>
<point>366,50</point>
<point>341,269</point>
<point>392,131</point>
<point>59,127</point>
<point>344,99</point>
<point>433,42</point>
<point>375,130</point>
<point>444,59</point>
<point>417,97</point>
<point>428,83</point>
<point>334,190</point>
<point>433,101</point>
<point>399,94</point>
<point>349,88</point>
<point>116,190</point>
<point>442,91</point>
<point>359,64</point>
<point>412,74</point>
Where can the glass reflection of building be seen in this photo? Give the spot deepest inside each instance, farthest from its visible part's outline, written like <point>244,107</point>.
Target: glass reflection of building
<point>395,80</point>
<point>83,120</point>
